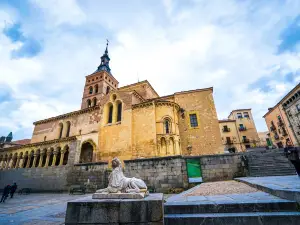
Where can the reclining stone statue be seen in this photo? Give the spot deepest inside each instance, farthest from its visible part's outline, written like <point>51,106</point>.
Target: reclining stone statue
<point>118,183</point>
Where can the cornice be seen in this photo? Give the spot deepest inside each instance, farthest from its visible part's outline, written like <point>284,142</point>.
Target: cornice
<point>73,138</point>
<point>82,111</point>
<point>156,103</point>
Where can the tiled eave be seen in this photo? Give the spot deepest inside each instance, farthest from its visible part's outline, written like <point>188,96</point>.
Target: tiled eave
<point>73,138</point>
<point>63,116</point>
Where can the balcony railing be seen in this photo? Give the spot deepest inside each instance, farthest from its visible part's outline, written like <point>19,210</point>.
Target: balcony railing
<point>280,123</point>
<point>246,140</point>
<point>242,128</point>
<point>226,129</point>
<point>229,142</point>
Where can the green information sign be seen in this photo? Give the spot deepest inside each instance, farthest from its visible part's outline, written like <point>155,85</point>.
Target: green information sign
<point>193,168</point>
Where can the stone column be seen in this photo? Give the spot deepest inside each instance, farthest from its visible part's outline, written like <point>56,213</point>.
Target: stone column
<point>41,159</point>
<point>62,154</point>
<point>34,159</point>
<point>48,158</point>
<point>168,147</point>
<point>54,158</point>
<point>115,112</point>
<point>28,161</point>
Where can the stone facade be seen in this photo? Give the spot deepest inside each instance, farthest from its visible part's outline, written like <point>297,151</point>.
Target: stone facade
<point>238,132</point>
<point>282,120</point>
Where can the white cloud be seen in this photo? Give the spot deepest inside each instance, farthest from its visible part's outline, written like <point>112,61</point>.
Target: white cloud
<point>176,46</point>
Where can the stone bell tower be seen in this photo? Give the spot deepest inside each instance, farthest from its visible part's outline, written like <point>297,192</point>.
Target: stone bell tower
<point>99,83</point>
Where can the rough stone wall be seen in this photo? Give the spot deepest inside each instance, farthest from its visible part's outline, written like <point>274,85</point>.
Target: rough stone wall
<point>38,179</point>
<point>159,173</point>
<point>97,174</point>
<point>81,124</point>
<point>221,167</point>
<point>206,138</point>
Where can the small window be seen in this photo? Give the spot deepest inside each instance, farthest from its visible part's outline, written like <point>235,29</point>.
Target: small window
<point>91,90</point>
<point>110,114</point>
<point>119,117</point>
<point>89,103</point>
<point>107,89</point>
<point>167,126</point>
<point>193,120</point>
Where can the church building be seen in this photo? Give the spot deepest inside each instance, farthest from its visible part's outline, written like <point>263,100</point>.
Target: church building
<point>129,122</point>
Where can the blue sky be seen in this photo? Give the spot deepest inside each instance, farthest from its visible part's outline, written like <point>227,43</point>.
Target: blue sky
<point>249,51</point>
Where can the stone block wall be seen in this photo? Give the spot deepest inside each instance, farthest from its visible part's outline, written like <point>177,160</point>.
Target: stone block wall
<point>38,179</point>
<point>221,167</point>
<point>159,173</point>
<point>97,174</point>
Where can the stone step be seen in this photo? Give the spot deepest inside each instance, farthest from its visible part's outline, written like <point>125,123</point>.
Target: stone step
<point>254,218</point>
<point>200,207</point>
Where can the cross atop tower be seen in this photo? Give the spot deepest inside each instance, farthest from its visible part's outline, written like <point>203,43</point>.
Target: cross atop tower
<point>104,65</point>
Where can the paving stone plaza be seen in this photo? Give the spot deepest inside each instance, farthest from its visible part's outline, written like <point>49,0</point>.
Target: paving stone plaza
<point>220,205</point>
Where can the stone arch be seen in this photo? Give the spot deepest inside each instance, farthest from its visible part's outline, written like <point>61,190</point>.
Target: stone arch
<point>60,130</point>
<point>38,157</point>
<point>66,155</point>
<point>90,90</point>
<point>94,103</point>
<point>86,151</point>
<point>51,156</point>
<point>88,103</point>
<point>58,155</point>
<point>15,158</point>
<point>25,161</point>
<point>119,106</point>
<point>31,158</point>
<point>44,157</point>
<point>163,146</point>
<point>9,161</point>
<point>68,127</point>
<point>171,146</point>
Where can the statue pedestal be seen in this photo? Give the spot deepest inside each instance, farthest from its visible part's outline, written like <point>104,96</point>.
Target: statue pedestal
<point>118,196</point>
<point>148,210</point>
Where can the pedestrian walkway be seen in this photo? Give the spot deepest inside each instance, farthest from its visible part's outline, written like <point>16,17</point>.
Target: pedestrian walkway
<point>35,209</point>
<point>287,187</point>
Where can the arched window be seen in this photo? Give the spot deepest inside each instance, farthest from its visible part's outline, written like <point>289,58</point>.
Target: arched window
<point>68,128</point>
<point>91,90</point>
<point>61,127</point>
<point>94,101</point>
<point>110,114</point>
<point>96,88</point>
<point>107,89</point>
<point>119,116</point>
<point>167,126</point>
<point>89,103</point>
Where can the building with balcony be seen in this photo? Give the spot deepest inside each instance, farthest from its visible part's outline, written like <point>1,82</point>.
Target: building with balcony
<point>238,132</point>
<point>283,120</point>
